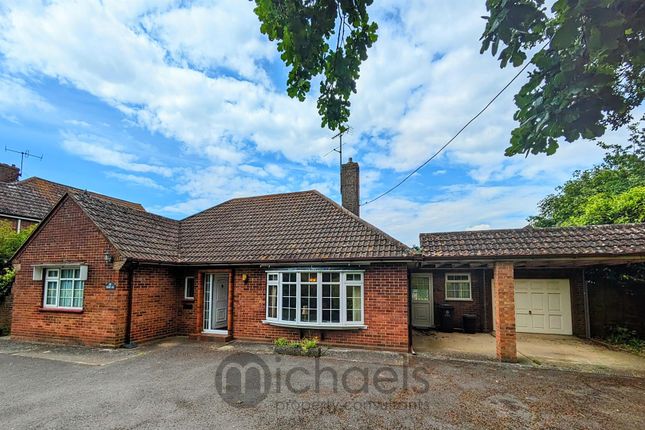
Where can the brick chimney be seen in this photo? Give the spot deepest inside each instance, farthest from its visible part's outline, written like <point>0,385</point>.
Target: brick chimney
<point>350,186</point>
<point>9,173</point>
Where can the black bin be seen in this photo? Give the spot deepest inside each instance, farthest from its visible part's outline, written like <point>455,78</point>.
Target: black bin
<point>470,323</point>
<point>445,316</point>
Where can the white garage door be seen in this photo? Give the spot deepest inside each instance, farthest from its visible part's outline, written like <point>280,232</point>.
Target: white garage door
<point>543,306</point>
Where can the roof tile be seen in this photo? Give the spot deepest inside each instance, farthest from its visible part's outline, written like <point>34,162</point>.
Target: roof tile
<point>605,240</point>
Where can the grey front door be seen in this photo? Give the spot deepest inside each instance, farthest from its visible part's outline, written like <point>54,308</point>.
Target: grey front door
<point>421,295</point>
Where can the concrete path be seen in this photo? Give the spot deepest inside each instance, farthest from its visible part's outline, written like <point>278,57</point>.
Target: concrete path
<point>68,354</point>
<point>565,352</point>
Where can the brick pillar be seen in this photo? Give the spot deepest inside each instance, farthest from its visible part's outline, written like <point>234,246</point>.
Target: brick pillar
<point>504,298</point>
<point>199,303</point>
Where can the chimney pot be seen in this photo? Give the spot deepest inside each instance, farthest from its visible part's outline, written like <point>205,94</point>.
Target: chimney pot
<point>350,186</point>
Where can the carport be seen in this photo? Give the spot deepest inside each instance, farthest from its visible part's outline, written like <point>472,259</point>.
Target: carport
<point>520,280</point>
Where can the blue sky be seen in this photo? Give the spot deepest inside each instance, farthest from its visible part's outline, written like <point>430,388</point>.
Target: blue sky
<point>181,105</point>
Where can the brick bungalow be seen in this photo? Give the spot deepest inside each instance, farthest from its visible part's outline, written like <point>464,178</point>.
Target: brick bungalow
<point>98,273</point>
<point>289,265</point>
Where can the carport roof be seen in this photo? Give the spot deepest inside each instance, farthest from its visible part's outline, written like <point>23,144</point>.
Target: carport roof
<point>615,240</point>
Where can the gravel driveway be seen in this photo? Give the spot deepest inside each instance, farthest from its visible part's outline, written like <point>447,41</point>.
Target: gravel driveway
<point>172,384</point>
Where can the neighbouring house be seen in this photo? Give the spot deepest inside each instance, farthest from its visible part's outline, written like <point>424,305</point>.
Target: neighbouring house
<point>292,265</point>
<point>27,202</point>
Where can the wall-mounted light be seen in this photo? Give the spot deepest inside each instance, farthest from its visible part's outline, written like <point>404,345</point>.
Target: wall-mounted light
<point>109,259</point>
<point>245,278</point>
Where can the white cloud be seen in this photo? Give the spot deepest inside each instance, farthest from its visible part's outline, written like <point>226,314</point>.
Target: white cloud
<point>220,117</point>
<point>197,73</point>
<point>220,35</point>
<point>16,97</point>
<point>101,151</point>
<point>461,207</point>
<point>143,181</point>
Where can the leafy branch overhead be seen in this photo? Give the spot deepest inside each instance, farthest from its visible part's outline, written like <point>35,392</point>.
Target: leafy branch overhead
<point>589,61</point>
<point>327,38</point>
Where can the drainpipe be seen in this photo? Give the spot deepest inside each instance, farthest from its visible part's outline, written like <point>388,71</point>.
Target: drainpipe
<point>585,294</point>
<point>128,318</point>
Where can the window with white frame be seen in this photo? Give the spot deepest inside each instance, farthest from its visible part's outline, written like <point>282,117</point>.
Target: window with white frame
<point>458,286</point>
<point>315,298</point>
<point>189,288</point>
<point>64,288</point>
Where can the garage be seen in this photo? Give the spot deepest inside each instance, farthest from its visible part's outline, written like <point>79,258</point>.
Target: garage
<point>543,306</point>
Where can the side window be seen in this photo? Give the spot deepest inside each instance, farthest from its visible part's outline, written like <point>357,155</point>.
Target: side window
<point>189,287</point>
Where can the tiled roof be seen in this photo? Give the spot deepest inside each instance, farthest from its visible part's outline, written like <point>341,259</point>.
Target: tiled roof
<point>136,234</point>
<point>304,226</point>
<point>589,241</point>
<point>35,197</point>
<point>283,227</point>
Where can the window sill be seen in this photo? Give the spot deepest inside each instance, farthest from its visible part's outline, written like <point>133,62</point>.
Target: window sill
<point>61,310</point>
<point>315,326</point>
<point>190,300</point>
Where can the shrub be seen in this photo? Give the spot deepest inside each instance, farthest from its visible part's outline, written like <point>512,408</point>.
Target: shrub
<point>307,344</point>
<point>627,338</point>
<point>6,280</point>
<point>281,341</point>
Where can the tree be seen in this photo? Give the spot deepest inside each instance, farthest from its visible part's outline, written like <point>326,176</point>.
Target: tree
<point>588,58</point>
<point>306,30</point>
<point>10,241</point>
<point>612,192</point>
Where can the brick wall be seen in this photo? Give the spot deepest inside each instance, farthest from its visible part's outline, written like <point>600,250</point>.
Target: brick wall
<point>187,312</point>
<point>386,310</point>
<point>69,236</point>
<point>479,279</point>
<point>155,303</point>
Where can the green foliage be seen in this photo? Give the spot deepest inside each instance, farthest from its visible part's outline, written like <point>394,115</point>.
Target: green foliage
<point>10,241</point>
<point>307,344</point>
<point>589,69</point>
<point>281,341</point>
<point>626,338</point>
<point>7,276</point>
<point>306,30</point>
<point>612,192</point>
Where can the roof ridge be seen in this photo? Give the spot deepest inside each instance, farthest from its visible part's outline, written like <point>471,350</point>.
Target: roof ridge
<point>32,179</point>
<point>246,198</point>
<point>88,195</point>
<point>525,229</point>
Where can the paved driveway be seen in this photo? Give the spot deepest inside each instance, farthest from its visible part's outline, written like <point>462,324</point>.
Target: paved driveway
<point>565,352</point>
<point>172,384</point>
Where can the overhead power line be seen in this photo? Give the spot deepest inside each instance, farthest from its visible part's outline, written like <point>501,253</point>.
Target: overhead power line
<point>451,139</point>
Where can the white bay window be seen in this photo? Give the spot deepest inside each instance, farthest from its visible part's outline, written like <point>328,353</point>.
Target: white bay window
<point>309,298</point>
